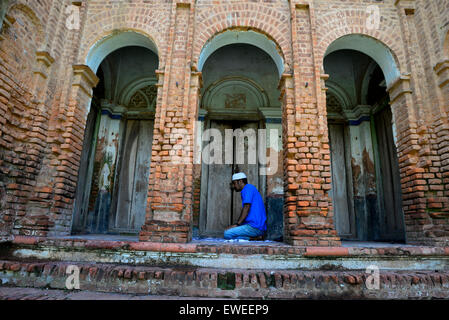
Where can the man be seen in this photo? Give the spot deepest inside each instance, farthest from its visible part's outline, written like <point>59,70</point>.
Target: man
<point>252,222</point>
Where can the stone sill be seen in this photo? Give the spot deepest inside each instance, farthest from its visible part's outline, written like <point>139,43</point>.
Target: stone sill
<point>350,249</point>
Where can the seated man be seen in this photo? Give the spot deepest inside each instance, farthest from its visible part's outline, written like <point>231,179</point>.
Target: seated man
<point>252,222</point>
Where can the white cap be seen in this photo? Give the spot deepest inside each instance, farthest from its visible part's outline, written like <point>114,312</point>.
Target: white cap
<point>238,176</point>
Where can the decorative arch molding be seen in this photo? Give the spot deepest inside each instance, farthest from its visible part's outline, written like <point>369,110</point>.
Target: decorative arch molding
<point>373,48</point>
<point>340,94</point>
<point>234,36</point>
<point>140,87</point>
<point>252,93</point>
<point>114,41</point>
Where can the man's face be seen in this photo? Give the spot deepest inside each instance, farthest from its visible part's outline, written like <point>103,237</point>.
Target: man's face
<point>238,185</point>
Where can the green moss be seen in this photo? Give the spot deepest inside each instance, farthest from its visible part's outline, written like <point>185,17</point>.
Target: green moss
<point>226,281</point>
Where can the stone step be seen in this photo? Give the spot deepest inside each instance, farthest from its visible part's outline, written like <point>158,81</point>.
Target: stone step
<point>184,281</point>
<point>271,256</point>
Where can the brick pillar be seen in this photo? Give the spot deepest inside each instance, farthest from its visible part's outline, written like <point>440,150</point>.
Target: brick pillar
<point>170,200</point>
<point>422,198</point>
<point>441,210</point>
<point>308,214</point>
<point>418,130</point>
<point>35,220</point>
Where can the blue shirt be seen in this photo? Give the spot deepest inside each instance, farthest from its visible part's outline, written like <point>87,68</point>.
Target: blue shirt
<point>256,217</point>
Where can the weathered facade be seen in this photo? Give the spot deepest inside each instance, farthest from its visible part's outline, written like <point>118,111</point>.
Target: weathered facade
<point>99,98</point>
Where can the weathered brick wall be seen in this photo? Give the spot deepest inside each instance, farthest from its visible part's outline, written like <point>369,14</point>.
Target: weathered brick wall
<point>24,111</point>
<point>44,101</point>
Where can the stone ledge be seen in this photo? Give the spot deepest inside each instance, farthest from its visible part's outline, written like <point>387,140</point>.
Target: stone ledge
<point>237,248</point>
<point>204,282</point>
<point>271,256</point>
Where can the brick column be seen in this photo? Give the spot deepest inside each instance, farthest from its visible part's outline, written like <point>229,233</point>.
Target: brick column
<point>169,211</point>
<point>422,196</point>
<point>420,156</point>
<point>442,145</point>
<point>308,214</point>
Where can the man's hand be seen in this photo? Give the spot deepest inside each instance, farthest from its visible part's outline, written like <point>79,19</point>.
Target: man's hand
<point>230,227</point>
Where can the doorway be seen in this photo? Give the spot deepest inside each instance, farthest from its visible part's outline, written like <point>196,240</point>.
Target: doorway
<point>221,206</point>
<point>366,187</point>
<point>112,189</point>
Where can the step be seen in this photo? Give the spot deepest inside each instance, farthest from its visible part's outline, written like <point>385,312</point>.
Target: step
<point>270,256</point>
<point>190,281</point>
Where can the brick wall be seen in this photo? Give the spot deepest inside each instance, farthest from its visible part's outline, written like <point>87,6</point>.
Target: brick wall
<point>45,93</point>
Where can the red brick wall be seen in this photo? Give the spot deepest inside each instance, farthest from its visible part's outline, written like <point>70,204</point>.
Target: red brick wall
<point>43,113</point>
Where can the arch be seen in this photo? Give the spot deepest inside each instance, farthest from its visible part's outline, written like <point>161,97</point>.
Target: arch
<point>256,93</point>
<point>114,41</point>
<point>234,36</point>
<point>132,88</point>
<point>373,48</point>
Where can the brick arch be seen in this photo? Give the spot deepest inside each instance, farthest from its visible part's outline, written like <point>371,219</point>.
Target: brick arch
<point>102,26</point>
<point>218,21</point>
<point>115,40</point>
<point>232,36</point>
<point>336,25</point>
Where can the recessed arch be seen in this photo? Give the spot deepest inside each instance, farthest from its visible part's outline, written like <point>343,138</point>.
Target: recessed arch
<point>115,41</point>
<point>373,48</point>
<point>238,36</point>
<point>340,94</point>
<point>132,88</point>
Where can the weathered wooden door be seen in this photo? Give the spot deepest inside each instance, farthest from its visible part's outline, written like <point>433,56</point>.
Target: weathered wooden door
<point>217,213</point>
<point>132,184</point>
<point>341,192</point>
<point>391,218</point>
<point>220,205</point>
<point>248,162</point>
<point>84,185</point>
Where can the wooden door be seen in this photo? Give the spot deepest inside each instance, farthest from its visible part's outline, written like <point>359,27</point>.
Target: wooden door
<point>220,205</point>
<point>132,184</point>
<point>250,165</point>
<point>83,189</point>
<point>341,192</point>
<point>389,195</point>
<point>218,210</point>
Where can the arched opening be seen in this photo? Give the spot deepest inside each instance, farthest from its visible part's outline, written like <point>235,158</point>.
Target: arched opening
<point>240,113</point>
<point>113,180</point>
<point>366,188</point>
